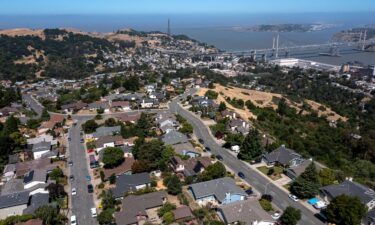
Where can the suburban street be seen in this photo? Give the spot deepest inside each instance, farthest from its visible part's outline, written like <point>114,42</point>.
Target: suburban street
<point>33,104</point>
<point>83,201</point>
<point>260,183</point>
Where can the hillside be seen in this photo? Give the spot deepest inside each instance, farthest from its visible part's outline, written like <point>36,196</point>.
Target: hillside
<point>69,53</point>
<point>267,99</point>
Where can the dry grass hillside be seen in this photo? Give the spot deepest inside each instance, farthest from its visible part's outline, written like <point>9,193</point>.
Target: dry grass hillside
<point>266,99</point>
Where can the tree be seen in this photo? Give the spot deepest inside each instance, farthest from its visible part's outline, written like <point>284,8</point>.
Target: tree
<point>108,201</point>
<point>214,171</point>
<point>56,174</point>
<point>140,166</point>
<point>167,207</point>
<point>105,217</point>
<point>150,151</point>
<point>173,184</point>
<point>11,125</point>
<point>110,122</point>
<point>307,184</point>
<point>112,157</point>
<point>56,191</point>
<point>49,215</point>
<point>90,126</point>
<point>222,107</point>
<point>144,125</point>
<point>112,179</point>
<point>186,128</point>
<point>132,83</point>
<point>291,216</point>
<point>251,147</point>
<point>168,218</point>
<point>210,94</point>
<point>45,115</point>
<point>266,205</point>
<point>346,210</point>
<point>326,176</point>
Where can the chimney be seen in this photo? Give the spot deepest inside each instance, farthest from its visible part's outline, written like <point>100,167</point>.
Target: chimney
<point>243,123</point>
<point>234,115</point>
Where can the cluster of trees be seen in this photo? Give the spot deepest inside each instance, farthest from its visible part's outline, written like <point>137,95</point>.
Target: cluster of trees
<point>186,127</point>
<point>210,94</point>
<point>307,184</point>
<point>112,157</point>
<point>90,126</point>
<point>251,147</point>
<point>109,204</point>
<point>8,95</point>
<point>10,139</point>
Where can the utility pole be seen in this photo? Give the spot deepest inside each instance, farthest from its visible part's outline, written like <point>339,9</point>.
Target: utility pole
<point>277,46</point>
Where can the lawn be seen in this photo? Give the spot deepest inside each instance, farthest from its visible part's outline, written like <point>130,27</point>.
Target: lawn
<point>277,171</point>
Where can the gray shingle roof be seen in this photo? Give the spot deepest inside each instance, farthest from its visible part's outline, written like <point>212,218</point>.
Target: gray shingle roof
<point>246,211</point>
<point>104,131</point>
<point>41,146</point>
<point>281,155</point>
<point>350,188</point>
<point>35,175</point>
<point>125,183</point>
<point>36,201</point>
<point>138,205</point>
<point>218,187</point>
<point>15,199</point>
<point>174,137</point>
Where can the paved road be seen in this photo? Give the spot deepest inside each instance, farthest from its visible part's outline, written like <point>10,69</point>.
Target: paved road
<point>33,104</point>
<point>83,201</point>
<point>280,198</point>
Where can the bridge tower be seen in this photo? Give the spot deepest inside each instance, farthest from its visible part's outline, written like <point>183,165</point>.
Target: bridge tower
<point>277,46</point>
<point>364,41</point>
<point>169,27</point>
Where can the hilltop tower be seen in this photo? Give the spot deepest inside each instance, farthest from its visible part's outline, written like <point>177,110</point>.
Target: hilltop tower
<point>169,27</point>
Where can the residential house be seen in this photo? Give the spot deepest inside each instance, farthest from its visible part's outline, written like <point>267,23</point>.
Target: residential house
<point>350,188</point>
<point>134,182</point>
<point>149,103</point>
<point>13,204</point>
<point>104,131</point>
<point>42,164</point>
<point>174,137</point>
<point>186,149</point>
<point>74,106</point>
<point>248,212</point>
<point>41,148</point>
<point>9,172</point>
<point>36,201</point>
<point>143,209</point>
<point>200,101</point>
<point>42,138</point>
<point>190,167</point>
<point>294,172</point>
<point>217,192</point>
<point>134,97</point>
<point>34,177</point>
<point>7,111</point>
<point>129,118</point>
<point>167,124</point>
<point>230,114</point>
<point>124,168</point>
<point>239,126</point>
<point>370,218</point>
<point>283,156</point>
<point>99,106</point>
<point>108,141</point>
<point>182,213</point>
<point>120,105</point>
<point>31,222</point>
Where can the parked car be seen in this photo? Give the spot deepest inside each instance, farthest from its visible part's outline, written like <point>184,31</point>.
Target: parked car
<point>73,220</point>
<point>294,198</point>
<point>201,140</point>
<point>70,163</point>
<point>69,139</point>
<point>219,157</point>
<point>74,191</point>
<point>93,212</point>
<point>90,150</point>
<point>88,178</point>
<point>276,215</point>
<point>90,188</point>
<point>208,149</point>
<point>71,177</point>
<point>241,175</point>
<point>82,141</point>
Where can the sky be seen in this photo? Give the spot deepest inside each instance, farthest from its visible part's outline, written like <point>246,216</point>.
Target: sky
<point>48,7</point>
